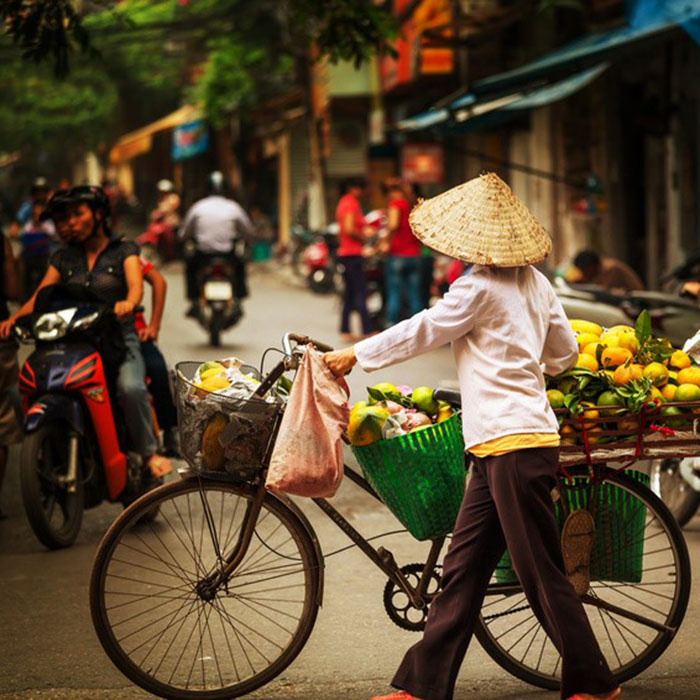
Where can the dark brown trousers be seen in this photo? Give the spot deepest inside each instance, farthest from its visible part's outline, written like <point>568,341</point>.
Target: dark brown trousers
<point>508,504</point>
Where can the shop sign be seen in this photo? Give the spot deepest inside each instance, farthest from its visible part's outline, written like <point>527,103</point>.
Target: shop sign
<point>422,163</point>
<point>190,140</point>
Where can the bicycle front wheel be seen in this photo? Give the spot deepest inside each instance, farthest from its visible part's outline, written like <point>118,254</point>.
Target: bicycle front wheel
<point>163,632</point>
<point>637,599</point>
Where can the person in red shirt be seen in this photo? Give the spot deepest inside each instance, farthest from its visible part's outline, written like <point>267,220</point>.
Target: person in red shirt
<point>352,235</point>
<point>402,266</point>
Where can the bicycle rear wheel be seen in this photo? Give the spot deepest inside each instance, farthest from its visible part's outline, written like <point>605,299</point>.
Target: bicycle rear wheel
<point>163,633</point>
<point>634,615</point>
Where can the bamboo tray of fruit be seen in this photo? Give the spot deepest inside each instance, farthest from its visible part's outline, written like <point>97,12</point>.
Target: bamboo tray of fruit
<point>631,396</point>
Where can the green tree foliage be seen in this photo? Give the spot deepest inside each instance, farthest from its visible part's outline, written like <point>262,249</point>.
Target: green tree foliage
<point>39,112</point>
<point>248,49</point>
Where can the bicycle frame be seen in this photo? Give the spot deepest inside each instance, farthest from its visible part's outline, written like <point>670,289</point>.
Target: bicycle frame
<point>380,557</point>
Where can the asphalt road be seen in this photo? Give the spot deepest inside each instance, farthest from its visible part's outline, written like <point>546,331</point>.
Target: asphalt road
<point>48,648</point>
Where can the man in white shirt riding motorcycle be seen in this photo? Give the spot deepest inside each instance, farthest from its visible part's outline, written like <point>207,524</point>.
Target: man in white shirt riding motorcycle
<point>215,224</point>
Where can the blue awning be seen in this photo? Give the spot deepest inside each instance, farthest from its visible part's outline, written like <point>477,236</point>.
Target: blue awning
<point>472,113</point>
<point>577,55</point>
<point>546,79</point>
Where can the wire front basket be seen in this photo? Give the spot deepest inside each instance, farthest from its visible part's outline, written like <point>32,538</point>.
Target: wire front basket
<point>224,433</point>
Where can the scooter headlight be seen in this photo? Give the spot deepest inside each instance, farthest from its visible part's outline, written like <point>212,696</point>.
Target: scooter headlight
<point>50,326</point>
<point>86,321</point>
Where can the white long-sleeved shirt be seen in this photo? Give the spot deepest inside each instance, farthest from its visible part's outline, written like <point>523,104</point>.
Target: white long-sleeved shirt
<point>507,330</point>
<point>214,223</point>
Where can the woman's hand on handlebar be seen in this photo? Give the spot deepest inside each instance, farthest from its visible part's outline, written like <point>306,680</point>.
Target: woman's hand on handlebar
<point>6,328</point>
<point>340,362</point>
<point>124,308</point>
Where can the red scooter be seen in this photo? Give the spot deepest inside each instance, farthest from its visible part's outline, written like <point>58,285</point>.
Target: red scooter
<point>158,241</point>
<point>72,456</point>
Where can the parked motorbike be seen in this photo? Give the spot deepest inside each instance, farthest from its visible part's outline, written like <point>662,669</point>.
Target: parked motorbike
<point>218,308</point>
<point>677,483</point>
<point>72,456</point>
<point>320,258</point>
<point>672,317</point>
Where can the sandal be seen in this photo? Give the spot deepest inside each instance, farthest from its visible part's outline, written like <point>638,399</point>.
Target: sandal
<point>401,695</point>
<point>576,546</point>
<point>159,465</point>
<point>587,696</point>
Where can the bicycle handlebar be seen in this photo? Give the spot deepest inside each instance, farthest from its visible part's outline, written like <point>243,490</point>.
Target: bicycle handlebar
<point>302,340</point>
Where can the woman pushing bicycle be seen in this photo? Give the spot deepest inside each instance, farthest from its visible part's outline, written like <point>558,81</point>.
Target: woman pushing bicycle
<point>507,329</point>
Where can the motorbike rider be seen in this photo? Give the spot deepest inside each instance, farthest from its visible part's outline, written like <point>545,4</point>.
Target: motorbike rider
<point>608,273</point>
<point>168,204</point>
<point>39,193</point>
<point>214,224</point>
<point>109,266</point>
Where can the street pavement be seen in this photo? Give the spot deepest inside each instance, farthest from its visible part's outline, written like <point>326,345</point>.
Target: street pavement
<point>48,649</point>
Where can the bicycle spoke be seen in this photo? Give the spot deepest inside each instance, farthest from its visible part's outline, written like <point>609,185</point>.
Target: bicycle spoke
<point>156,558</point>
<point>607,632</point>
<point>515,644</point>
<point>266,617</point>
<point>213,647</point>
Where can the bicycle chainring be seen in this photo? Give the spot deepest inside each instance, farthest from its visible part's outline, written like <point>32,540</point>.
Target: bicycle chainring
<point>398,605</point>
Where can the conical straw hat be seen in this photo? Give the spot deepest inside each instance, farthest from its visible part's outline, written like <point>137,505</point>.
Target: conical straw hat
<point>481,222</point>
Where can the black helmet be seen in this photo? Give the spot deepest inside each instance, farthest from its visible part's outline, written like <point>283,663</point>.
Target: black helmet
<point>92,195</point>
<point>56,205</point>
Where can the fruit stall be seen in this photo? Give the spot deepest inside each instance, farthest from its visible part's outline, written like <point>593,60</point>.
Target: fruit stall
<point>630,396</point>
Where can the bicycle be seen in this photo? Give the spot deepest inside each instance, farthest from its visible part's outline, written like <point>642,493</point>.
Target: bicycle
<point>218,597</point>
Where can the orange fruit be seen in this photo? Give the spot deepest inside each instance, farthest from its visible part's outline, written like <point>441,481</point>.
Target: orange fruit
<point>679,360</point>
<point>687,392</point>
<point>568,435</point>
<point>593,434</point>
<point>629,423</point>
<point>584,339</point>
<point>669,391</point>
<point>621,329</point>
<point>579,326</point>
<point>614,357</point>
<point>657,373</point>
<point>592,349</point>
<point>628,341</point>
<point>689,375</point>
<point>626,373</point>
<point>587,362</point>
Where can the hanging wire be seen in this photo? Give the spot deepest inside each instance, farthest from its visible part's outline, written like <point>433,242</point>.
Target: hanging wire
<point>546,175</point>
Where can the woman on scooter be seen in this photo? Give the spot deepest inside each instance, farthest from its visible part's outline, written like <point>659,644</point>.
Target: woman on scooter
<point>110,267</point>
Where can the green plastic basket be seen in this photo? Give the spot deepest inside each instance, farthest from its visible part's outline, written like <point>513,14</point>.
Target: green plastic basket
<point>619,521</point>
<point>419,476</point>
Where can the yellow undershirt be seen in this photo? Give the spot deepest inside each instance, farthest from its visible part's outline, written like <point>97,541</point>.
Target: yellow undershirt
<point>510,443</point>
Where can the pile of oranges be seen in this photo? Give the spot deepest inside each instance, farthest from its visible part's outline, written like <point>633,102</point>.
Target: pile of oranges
<point>615,375</point>
<point>614,352</point>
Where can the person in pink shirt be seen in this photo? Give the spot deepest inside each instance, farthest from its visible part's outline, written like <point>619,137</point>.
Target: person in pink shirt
<point>352,236</point>
<point>402,267</point>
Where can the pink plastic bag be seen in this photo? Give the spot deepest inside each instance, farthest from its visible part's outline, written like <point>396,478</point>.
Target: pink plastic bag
<point>308,456</point>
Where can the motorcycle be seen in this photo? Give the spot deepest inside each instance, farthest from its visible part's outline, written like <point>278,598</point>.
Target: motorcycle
<point>323,273</point>
<point>71,456</point>
<point>671,316</point>
<point>677,483</point>
<point>158,242</point>
<point>218,307</point>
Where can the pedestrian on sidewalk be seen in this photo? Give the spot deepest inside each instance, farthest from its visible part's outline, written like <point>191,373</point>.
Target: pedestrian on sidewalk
<point>352,235</point>
<point>403,262</point>
<point>507,328</point>
<point>9,371</point>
